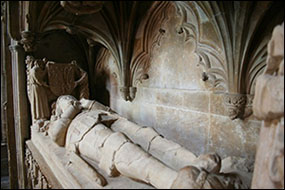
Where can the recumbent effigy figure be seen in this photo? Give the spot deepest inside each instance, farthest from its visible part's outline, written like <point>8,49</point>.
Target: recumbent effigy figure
<point>120,147</point>
<point>93,133</point>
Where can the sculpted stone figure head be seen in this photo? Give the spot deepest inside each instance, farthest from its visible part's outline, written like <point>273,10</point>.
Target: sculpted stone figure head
<point>63,102</point>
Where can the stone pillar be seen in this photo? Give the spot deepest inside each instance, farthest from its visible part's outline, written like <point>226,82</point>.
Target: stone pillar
<point>21,109</point>
<point>3,79</point>
<point>7,111</point>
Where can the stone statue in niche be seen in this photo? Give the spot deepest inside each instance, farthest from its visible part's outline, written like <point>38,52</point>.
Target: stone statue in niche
<point>94,133</point>
<point>47,80</point>
<point>37,88</point>
<point>268,105</point>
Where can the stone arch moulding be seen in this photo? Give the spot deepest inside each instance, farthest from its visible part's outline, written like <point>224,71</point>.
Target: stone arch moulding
<point>150,33</point>
<point>129,30</point>
<point>230,42</point>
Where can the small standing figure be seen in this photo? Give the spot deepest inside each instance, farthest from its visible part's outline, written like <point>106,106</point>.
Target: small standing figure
<point>38,96</point>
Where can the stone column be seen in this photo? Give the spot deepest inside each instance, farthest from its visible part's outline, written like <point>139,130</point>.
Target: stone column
<point>21,109</point>
<point>3,78</point>
<point>7,120</point>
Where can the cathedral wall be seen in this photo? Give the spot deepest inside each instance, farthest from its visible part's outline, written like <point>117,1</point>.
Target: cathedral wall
<point>181,106</point>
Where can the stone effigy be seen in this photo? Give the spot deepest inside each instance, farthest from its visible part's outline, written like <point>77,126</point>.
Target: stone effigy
<point>91,131</point>
<point>87,139</point>
<point>37,88</point>
<point>268,106</point>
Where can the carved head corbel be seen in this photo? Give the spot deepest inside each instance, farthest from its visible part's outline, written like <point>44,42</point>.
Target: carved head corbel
<point>235,105</point>
<point>28,40</point>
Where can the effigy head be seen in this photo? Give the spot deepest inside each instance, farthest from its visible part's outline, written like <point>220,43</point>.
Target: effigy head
<point>63,102</point>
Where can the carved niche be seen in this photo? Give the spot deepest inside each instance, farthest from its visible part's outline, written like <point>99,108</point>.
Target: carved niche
<point>47,80</point>
<point>230,42</point>
<point>268,105</point>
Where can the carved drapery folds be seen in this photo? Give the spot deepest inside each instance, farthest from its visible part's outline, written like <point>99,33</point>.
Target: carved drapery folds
<point>231,45</point>
<point>47,80</point>
<point>268,105</point>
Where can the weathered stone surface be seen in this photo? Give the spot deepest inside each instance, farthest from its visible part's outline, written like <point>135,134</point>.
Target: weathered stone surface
<point>180,126</point>
<point>174,56</point>
<point>182,123</point>
<point>233,137</point>
<point>216,104</point>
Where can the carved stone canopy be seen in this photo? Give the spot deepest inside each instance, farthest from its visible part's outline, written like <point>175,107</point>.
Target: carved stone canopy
<point>82,7</point>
